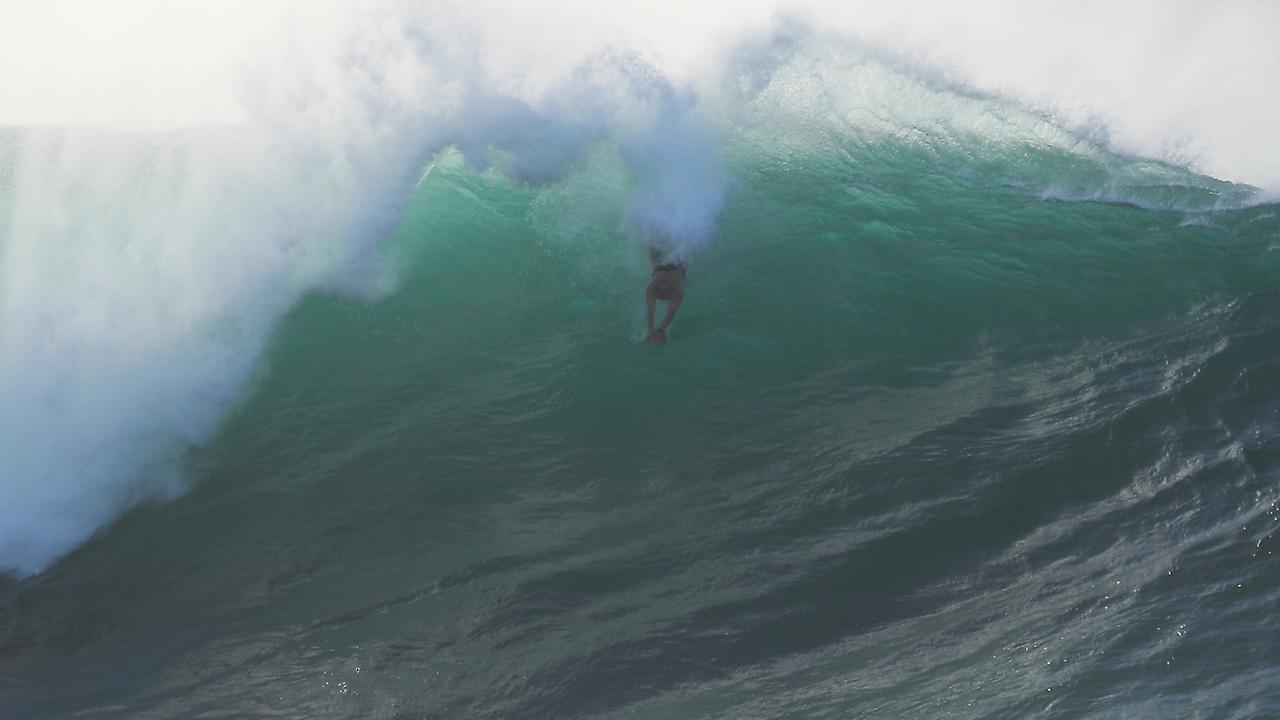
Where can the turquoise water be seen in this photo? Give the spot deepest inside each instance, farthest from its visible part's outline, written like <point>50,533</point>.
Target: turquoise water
<point>954,422</point>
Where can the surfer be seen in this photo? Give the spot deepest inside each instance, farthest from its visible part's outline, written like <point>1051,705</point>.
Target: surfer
<point>667,284</point>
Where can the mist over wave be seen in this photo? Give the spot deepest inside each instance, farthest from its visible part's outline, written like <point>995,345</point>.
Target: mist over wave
<point>142,270</point>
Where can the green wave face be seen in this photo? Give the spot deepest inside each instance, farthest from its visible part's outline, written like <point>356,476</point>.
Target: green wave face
<point>904,218</point>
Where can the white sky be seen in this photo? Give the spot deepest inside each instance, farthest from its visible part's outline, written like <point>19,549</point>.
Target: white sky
<point>125,63</point>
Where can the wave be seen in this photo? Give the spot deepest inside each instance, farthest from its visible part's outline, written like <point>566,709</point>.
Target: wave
<point>144,271</point>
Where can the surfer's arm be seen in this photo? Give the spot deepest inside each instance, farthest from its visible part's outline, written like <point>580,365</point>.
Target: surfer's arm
<point>676,298</point>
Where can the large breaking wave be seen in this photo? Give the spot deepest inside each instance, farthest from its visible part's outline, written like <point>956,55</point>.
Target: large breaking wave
<point>143,268</point>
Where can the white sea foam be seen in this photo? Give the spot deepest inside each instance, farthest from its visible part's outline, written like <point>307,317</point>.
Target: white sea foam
<point>198,167</point>
<point>142,270</point>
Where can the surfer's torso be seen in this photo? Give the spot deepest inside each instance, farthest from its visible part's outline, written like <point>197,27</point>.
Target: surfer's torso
<point>667,279</point>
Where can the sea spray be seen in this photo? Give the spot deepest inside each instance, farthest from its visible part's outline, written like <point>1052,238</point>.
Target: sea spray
<point>144,271</point>
<point>681,184</point>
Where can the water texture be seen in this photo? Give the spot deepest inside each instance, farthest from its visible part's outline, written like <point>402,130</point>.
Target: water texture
<point>968,413</point>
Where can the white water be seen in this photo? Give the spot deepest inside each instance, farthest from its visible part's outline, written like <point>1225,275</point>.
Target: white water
<point>143,268</point>
<point>143,271</point>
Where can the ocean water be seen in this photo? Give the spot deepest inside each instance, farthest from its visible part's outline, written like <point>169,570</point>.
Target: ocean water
<point>968,412</point>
